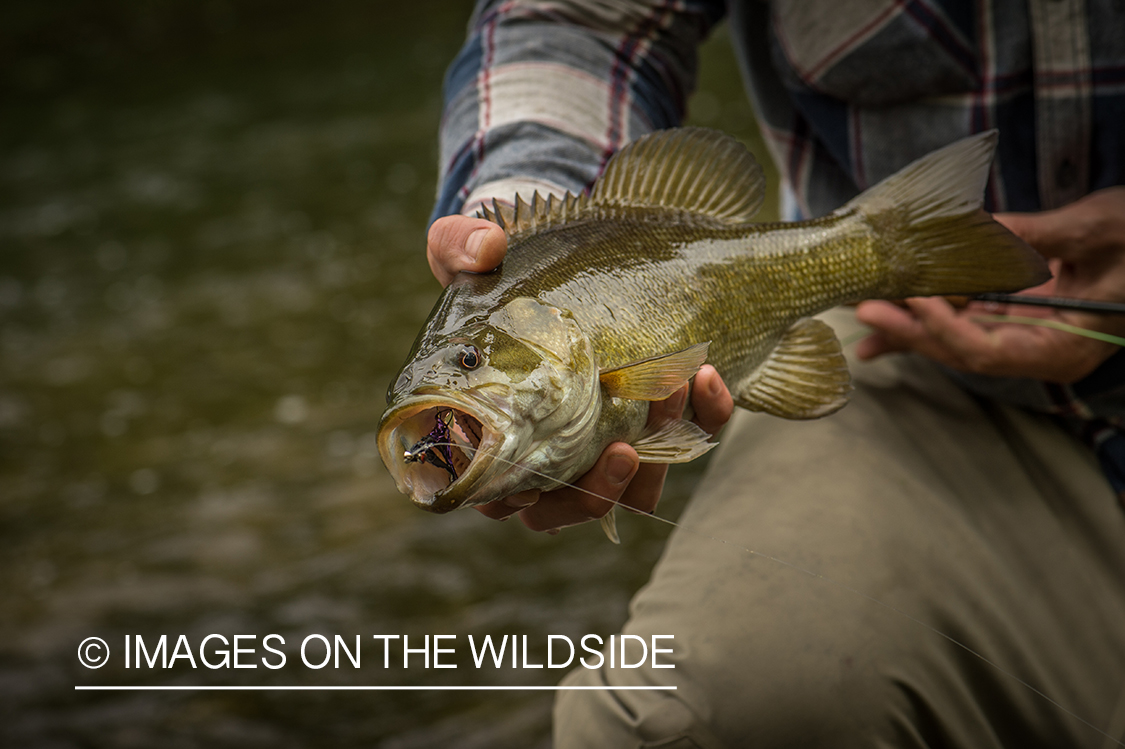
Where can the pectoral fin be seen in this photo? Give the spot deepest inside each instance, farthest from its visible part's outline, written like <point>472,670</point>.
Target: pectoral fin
<point>805,377</point>
<point>677,441</point>
<point>657,377</point>
<point>609,525</point>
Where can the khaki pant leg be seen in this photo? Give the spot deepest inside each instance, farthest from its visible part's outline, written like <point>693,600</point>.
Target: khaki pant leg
<point>831,578</point>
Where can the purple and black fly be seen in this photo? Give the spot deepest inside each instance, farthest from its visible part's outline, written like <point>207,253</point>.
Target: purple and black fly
<point>435,447</point>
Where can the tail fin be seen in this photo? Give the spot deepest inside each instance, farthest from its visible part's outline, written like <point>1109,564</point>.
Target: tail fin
<point>936,238</point>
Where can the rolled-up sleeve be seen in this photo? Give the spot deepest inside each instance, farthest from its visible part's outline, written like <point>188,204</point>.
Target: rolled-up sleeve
<point>544,91</point>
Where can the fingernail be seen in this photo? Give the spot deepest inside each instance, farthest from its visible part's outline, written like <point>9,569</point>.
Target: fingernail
<point>504,518</point>
<point>473,243</point>
<point>553,532</point>
<point>618,468</point>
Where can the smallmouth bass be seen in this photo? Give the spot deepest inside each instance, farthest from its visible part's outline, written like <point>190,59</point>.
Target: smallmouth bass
<point>604,303</point>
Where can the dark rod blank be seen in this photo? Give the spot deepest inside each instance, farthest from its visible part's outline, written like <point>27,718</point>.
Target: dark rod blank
<point>1079,305</point>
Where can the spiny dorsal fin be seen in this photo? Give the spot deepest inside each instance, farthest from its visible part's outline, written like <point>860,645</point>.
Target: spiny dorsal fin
<point>805,377</point>
<point>705,175</point>
<point>538,214</point>
<point>694,170</point>
<point>501,214</point>
<point>657,377</point>
<point>523,216</point>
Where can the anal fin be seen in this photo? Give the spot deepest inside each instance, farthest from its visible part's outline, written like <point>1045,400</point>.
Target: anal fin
<point>609,525</point>
<point>676,441</point>
<point>805,377</point>
<point>657,377</point>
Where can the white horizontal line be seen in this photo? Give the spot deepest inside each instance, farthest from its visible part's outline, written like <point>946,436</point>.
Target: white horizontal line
<point>360,688</point>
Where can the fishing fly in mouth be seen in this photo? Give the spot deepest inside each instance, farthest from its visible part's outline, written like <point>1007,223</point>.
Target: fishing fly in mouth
<point>450,445</point>
<point>437,447</point>
<point>434,448</point>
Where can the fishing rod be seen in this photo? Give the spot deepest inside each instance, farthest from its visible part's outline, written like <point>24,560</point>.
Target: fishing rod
<point>1057,302</point>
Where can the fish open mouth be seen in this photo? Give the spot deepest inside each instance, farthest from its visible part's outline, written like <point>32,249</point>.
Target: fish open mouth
<point>436,450</point>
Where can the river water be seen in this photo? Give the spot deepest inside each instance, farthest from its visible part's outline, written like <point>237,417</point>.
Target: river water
<point>212,219</point>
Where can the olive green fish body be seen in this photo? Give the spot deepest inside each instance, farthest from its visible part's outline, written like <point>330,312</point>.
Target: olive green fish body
<point>609,301</point>
<point>638,288</point>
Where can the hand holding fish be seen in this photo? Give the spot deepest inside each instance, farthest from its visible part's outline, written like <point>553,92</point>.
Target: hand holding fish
<point>1085,242</point>
<point>461,243</point>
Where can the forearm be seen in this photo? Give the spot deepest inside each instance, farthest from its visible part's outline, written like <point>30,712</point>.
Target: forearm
<point>543,92</point>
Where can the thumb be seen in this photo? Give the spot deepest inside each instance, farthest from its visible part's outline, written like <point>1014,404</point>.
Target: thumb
<point>1084,230</point>
<point>461,243</point>
<point>1051,233</point>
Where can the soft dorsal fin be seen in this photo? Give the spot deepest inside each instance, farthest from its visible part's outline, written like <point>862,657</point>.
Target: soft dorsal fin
<point>805,377</point>
<point>694,170</point>
<point>705,175</point>
<point>657,377</point>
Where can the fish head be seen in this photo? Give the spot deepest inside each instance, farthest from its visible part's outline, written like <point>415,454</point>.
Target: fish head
<point>482,412</point>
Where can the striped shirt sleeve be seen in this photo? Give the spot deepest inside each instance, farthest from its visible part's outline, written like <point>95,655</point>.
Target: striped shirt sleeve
<point>545,91</point>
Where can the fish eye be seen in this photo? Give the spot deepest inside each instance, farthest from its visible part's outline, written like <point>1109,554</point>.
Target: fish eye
<point>470,357</point>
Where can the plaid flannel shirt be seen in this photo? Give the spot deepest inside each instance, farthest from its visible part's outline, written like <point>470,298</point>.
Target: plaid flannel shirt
<point>846,92</point>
